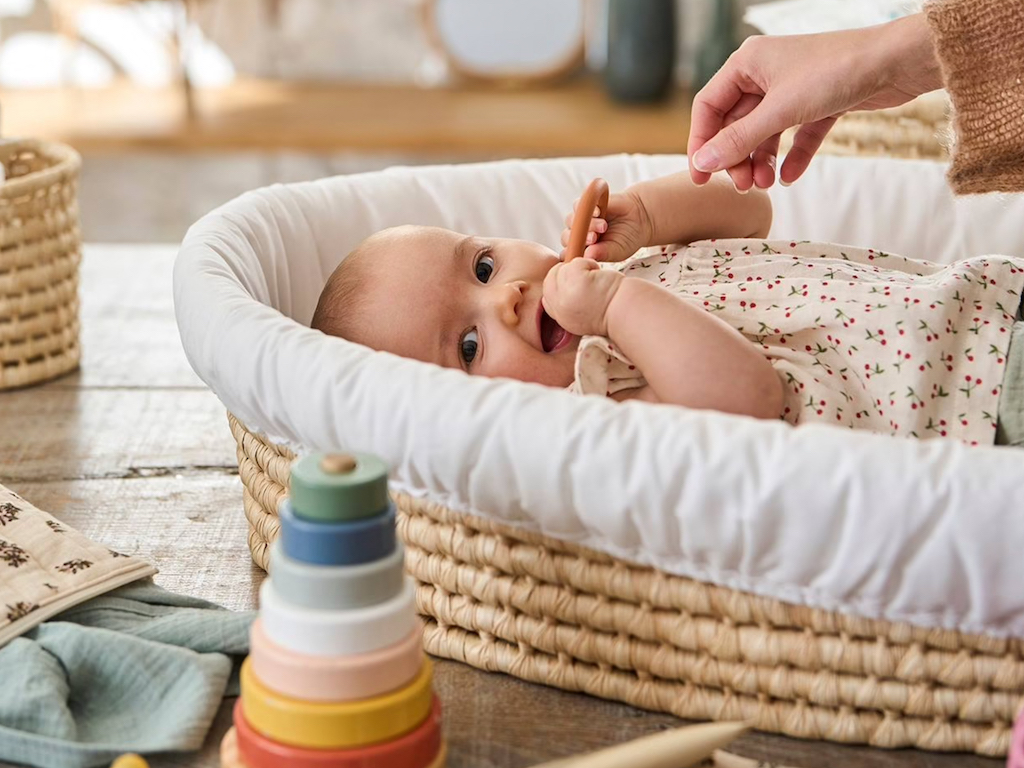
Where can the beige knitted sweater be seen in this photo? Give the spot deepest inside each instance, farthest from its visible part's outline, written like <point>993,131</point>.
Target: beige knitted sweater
<point>980,44</point>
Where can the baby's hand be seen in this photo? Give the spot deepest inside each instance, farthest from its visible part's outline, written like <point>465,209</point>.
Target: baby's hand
<point>616,233</point>
<point>577,295</point>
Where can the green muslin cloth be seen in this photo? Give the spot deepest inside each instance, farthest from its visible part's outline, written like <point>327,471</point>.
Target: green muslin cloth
<point>138,669</point>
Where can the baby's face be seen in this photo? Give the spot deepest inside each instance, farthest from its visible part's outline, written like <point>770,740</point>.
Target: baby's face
<point>465,302</point>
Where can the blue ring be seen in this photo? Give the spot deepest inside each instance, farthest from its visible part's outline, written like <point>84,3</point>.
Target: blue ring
<point>352,542</point>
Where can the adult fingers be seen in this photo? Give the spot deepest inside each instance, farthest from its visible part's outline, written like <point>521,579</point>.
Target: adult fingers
<point>707,115</point>
<point>739,140</point>
<point>742,175</point>
<point>765,162</point>
<point>806,142</point>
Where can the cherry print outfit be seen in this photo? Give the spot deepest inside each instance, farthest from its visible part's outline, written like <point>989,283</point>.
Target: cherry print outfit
<point>860,338</point>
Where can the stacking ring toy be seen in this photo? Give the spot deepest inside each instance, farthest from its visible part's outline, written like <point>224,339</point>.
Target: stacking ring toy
<point>336,587</point>
<point>338,633</point>
<point>336,726</point>
<point>334,678</point>
<point>417,749</point>
<point>352,542</point>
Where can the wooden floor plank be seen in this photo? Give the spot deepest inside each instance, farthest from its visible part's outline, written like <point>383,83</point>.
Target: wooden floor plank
<point>128,334</point>
<point>191,526</point>
<point>70,433</point>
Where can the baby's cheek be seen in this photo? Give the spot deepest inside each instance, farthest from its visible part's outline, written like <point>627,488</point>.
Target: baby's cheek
<point>526,363</point>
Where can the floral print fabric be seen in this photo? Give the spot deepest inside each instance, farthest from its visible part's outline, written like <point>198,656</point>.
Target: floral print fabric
<point>860,338</point>
<point>47,567</point>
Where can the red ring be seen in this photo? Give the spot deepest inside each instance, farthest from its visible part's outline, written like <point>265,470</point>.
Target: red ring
<point>416,749</point>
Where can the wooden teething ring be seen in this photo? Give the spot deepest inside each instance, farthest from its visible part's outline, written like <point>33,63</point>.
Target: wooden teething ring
<point>596,194</point>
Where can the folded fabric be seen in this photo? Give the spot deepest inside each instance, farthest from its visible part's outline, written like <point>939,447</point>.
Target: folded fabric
<point>137,670</point>
<point>46,566</point>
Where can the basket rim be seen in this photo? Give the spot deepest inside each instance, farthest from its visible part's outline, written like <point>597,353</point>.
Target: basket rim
<point>66,163</point>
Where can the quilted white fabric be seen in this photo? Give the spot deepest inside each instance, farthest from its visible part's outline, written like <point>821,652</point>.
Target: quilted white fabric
<point>927,532</point>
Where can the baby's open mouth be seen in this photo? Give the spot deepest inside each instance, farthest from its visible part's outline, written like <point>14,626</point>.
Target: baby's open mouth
<point>552,335</point>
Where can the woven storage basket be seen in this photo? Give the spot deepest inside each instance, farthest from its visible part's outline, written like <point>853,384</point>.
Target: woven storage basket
<point>550,612</point>
<point>40,250</point>
<point>509,601</point>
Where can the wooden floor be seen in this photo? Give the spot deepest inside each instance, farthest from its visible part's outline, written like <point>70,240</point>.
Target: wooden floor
<point>575,118</point>
<point>135,452</point>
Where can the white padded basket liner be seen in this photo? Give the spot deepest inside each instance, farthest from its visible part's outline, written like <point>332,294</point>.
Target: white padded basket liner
<point>929,532</point>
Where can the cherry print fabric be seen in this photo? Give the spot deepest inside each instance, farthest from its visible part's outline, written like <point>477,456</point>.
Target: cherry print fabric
<point>860,338</point>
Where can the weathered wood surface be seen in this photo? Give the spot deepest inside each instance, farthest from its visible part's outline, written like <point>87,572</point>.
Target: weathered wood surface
<point>134,452</point>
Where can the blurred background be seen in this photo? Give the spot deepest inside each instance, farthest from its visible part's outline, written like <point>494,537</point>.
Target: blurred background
<point>179,105</point>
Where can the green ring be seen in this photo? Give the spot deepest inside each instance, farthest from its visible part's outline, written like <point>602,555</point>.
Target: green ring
<point>317,495</point>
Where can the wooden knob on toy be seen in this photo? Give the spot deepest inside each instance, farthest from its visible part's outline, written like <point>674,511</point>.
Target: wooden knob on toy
<point>337,464</point>
<point>130,761</point>
<point>595,195</point>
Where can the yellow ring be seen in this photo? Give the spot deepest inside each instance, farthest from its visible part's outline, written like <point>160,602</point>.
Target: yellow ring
<point>340,725</point>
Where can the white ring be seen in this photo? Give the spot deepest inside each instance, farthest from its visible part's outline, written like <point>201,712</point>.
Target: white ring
<point>337,633</point>
<point>335,587</point>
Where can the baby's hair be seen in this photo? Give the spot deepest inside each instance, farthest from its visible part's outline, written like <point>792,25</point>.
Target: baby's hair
<point>339,301</point>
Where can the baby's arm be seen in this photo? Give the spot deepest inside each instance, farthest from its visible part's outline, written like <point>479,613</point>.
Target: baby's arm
<point>681,212</point>
<point>688,356</point>
<point>672,209</point>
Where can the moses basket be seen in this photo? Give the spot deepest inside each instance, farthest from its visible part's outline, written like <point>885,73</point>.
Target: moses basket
<point>507,599</point>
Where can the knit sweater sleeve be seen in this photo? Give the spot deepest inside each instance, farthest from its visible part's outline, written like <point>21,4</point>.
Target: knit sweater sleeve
<point>980,44</point>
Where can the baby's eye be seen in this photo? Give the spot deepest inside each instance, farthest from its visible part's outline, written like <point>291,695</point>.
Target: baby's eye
<point>484,268</point>
<point>468,346</point>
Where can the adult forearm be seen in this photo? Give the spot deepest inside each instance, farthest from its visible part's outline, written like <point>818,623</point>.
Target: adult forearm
<point>690,357</point>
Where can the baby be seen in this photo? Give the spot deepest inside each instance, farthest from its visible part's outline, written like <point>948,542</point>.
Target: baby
<point>805,332</point>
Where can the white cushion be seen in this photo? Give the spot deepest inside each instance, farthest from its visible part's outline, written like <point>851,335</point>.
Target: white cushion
<point>928,532</point>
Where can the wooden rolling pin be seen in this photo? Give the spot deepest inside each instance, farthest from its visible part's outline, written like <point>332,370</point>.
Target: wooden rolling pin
<point>680,748</point>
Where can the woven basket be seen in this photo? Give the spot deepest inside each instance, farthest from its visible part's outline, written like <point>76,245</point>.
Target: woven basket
<point>918,129</point>
<point>550,612</point>
<point>40,250</point>
<point>505,600</point>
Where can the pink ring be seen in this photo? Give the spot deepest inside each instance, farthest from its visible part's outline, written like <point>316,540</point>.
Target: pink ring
<point>1016,757</point>
<point>334,678</point>
<point>417,749</point>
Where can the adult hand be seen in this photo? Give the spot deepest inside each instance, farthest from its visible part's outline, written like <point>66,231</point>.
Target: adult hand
<point>773,83</point>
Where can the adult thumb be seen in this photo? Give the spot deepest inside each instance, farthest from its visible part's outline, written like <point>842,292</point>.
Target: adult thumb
<point>738,140</point>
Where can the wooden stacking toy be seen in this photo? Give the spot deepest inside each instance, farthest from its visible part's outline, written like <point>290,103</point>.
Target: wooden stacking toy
<point>336,675</point>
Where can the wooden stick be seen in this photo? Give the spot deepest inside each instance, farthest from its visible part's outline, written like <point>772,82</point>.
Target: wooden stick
<point>729,760</point>
<point>681,748</point>
<point>595,195</point>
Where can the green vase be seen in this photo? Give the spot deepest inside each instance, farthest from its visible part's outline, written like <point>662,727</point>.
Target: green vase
<point>718,45</point>
<point>641,49</point>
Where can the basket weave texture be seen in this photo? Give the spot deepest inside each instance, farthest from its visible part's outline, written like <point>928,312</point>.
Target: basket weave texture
<point>550,612</point>
<point>918,130</point>
<point>40,250</point>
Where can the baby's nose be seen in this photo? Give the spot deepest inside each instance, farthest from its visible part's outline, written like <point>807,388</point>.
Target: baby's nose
<point>511,298</point>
